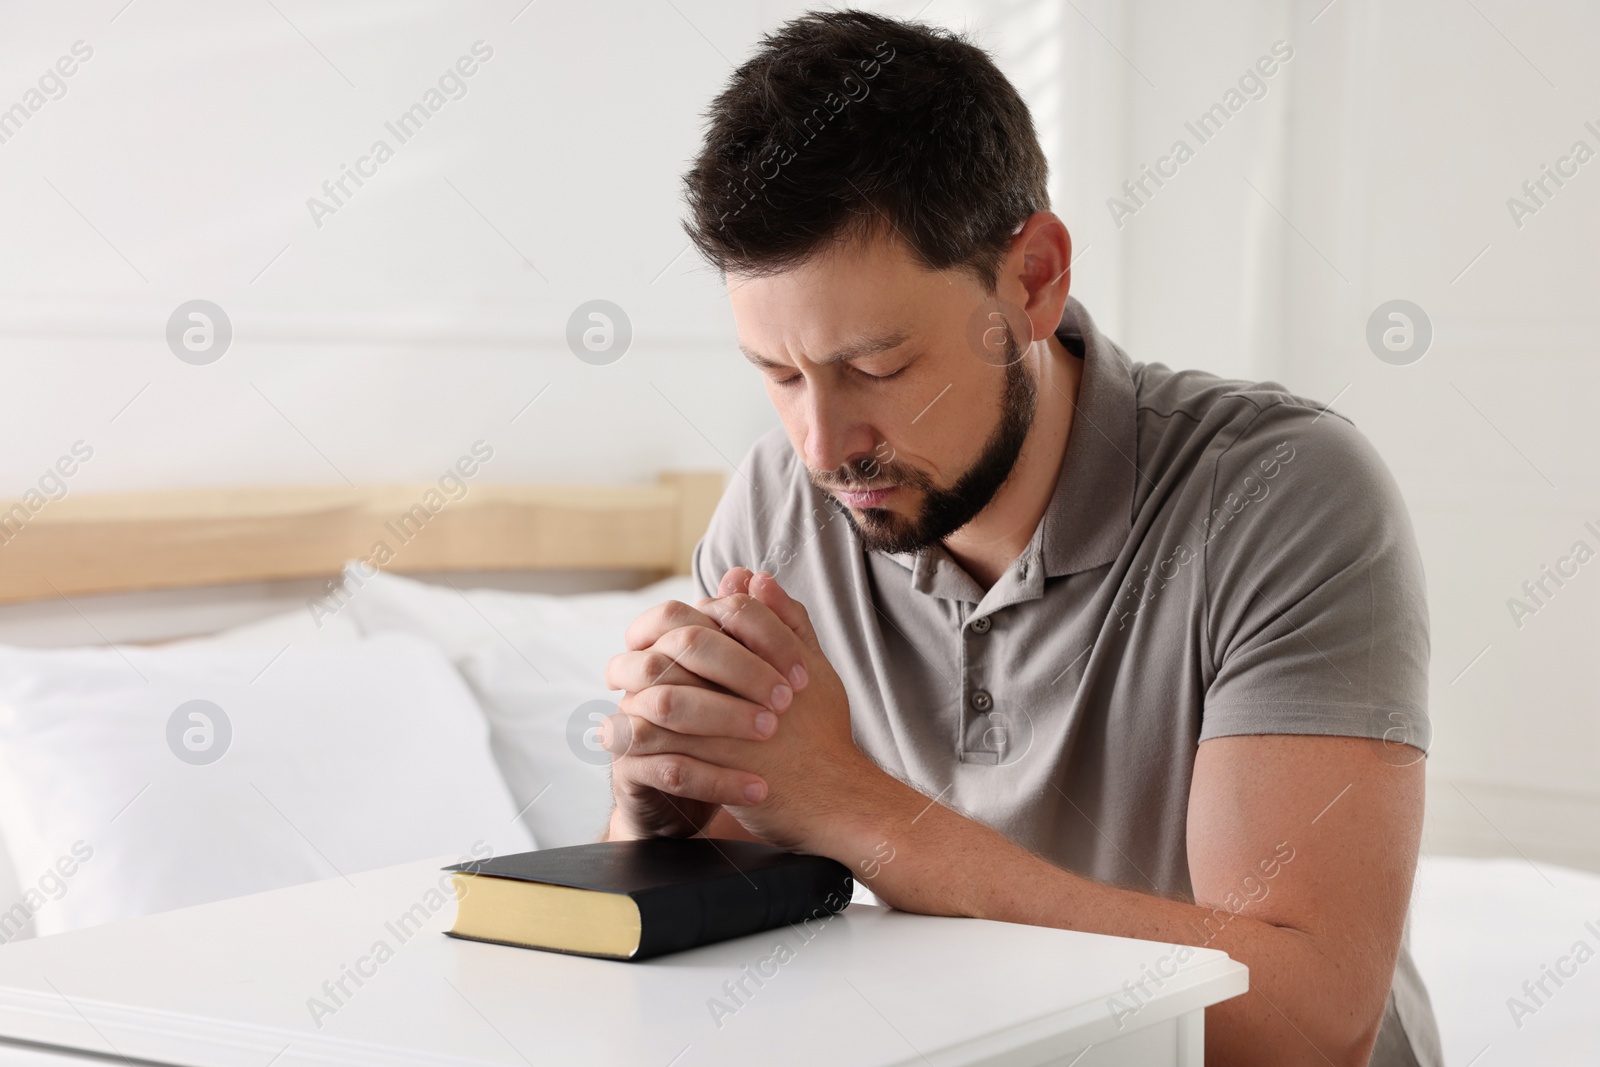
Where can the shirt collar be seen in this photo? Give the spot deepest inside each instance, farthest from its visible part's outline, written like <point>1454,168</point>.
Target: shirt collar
<point>1090,514</point>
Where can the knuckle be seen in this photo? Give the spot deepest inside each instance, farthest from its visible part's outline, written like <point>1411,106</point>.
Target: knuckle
<point>673,774</point>
<point>630,735</point>
<point>664,705</point>
<point>658,664</point>
<point>687,638</point>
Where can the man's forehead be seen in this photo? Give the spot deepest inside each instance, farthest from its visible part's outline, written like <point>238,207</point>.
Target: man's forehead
<point>824,320</point>
<point>854,298</point>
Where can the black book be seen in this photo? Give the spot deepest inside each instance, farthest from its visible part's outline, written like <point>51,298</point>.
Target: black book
<point>631,900</point>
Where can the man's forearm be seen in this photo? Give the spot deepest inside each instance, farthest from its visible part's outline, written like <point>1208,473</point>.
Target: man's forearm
<point>925,858</point>
<point>919,856</point>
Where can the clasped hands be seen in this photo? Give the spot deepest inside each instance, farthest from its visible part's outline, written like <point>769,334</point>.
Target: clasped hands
<point>730,704</point>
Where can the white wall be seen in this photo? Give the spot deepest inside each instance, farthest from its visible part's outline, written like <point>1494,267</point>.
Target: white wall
<point>431,307</point>
<point>408,324</point>
<point>1382,158</point>
<point>427,312</point>
<point>1420,120</point>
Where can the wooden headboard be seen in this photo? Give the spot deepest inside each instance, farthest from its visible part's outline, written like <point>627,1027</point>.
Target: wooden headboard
<point>123,542</point>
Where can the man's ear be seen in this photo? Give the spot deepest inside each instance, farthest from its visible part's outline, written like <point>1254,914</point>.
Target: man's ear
<point>1041,263</point>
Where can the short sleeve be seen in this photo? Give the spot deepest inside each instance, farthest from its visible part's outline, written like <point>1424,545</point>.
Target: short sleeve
<point>1316,605</point>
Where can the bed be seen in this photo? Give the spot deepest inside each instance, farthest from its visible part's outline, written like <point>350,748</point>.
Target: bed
<point>208,693</point>
<point>235,690</point>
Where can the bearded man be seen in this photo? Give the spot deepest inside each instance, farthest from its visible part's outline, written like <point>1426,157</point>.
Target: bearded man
<point>1011,625</point>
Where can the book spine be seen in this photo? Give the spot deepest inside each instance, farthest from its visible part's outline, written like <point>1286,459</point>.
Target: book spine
<point>673,918</point>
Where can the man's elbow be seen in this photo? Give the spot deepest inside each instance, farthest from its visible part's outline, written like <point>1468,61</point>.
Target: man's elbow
<point>1340,1023</point>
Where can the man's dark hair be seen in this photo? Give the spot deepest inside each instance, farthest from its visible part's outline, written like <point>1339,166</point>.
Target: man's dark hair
<point>847,124</point>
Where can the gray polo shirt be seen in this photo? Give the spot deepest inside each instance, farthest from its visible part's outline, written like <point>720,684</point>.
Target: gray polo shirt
<point>1218,558</point>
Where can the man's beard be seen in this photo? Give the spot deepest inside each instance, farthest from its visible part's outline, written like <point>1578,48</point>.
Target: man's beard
<point>944,511</point>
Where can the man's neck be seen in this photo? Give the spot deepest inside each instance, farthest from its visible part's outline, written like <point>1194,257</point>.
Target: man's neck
<point>990,543</point>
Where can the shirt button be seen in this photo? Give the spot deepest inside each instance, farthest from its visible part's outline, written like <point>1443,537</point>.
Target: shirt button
<point>981,626</point>
<point>982,701</point>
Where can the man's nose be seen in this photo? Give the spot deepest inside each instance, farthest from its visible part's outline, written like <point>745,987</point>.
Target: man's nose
<point>835,436</point>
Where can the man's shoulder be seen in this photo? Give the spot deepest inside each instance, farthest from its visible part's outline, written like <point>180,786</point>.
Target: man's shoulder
<point>1230,440</point>
<point>1200,399</point>
<point>1215,423</point>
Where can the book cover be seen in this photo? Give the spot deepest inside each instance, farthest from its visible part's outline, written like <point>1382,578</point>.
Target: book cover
<point>634,900</point>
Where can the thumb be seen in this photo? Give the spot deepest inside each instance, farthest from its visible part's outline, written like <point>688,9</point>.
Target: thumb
<point>765,588</point>
<point>737,580</point>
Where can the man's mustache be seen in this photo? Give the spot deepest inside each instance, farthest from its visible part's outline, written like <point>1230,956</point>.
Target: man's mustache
<point>849,486</point>
<point>853,479</point>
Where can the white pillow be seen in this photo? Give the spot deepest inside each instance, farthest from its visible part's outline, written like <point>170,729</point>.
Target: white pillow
<point>342,758</point>
<point>297,627</point>
<point>276,631</point>
<point>536,663</point>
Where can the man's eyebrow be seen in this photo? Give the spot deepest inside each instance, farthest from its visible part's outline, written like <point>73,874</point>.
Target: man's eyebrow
<point>863,346</point>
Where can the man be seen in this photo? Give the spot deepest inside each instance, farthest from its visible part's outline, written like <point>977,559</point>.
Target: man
<point>1010,625</point>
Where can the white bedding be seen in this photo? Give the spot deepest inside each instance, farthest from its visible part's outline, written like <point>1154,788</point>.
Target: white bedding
<point>536,664</point>
<point>143,779</point>
<point>77,726</point>
<point>1480,928</point>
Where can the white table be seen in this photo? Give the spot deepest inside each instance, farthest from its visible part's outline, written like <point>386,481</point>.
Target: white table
<point>229,985</point>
